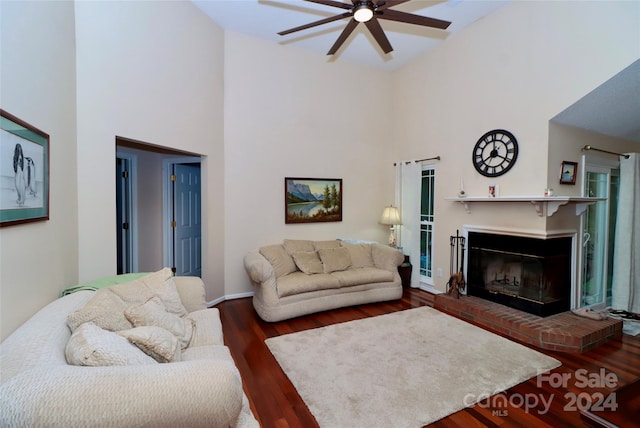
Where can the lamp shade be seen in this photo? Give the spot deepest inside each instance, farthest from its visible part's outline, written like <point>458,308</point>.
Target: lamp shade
<point>390,216</point>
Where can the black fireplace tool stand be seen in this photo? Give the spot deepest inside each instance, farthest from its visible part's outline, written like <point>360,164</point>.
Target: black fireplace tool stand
<point>456,284</point>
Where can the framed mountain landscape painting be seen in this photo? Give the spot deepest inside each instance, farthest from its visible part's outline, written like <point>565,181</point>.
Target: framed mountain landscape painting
<point>312,200</point>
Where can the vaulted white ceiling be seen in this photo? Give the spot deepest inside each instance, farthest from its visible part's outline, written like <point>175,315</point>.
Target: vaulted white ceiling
<point>612,109</point>
<point>265,18</point>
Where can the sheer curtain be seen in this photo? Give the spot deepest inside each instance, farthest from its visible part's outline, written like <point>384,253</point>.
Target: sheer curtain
<point>408,201</point>
<point>626,262</point>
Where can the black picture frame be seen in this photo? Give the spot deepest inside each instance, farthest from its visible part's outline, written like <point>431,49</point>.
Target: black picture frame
<point>312,200</point>
<point>24,172</point>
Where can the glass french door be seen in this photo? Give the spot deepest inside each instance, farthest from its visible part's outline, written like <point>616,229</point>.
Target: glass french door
<point>598,236</point>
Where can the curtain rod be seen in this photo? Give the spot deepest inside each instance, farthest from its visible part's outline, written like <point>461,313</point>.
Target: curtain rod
<point>588,147</point>
<point>420,160</point>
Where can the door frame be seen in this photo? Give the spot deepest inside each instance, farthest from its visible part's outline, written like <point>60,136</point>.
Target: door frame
<point>167,206</point>
<point>132,183</point>
<point>591,163</point>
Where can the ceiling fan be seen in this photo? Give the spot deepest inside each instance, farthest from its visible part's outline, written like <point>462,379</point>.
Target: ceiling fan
<point>368,12</point>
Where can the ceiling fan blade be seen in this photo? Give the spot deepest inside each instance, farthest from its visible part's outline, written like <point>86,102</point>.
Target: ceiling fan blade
<point>409,18</point>
<point>316,23</point>
<point>382,4</point>
<point>343,36</point>
<point>341,5</point>
<point>376,31</point>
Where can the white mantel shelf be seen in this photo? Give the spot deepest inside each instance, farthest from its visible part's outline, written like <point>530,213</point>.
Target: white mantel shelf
<point>544,205</point>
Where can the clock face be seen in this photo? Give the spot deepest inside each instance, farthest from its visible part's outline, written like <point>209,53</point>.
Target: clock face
<point>495,153</point>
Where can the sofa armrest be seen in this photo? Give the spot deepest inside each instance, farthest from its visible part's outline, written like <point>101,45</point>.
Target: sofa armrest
<point>191,291</point>
<point>187,393</point>
<point>387,258</point>
<point>258,268</point>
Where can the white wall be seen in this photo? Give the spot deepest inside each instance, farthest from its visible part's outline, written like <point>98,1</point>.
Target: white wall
<point>290,113</point>
<point>37,84</point>
<point>152,72</point>
<point>515,69</point>
<point>566,143</point>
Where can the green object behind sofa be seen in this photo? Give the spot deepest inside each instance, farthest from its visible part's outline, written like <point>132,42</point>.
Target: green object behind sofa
<point>104,282</point>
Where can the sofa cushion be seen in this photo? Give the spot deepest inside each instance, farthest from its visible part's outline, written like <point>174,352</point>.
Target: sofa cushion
<point>105,309</point>
<point>280,260</point>
<point>207,352</point>
<point>207,328</point>
<point>365,275</point>
<point>360,255</point>
<point>154,341</point>
<point>298,282</point>
<point>296,245</point>
<point>308,262</point>
<point>387,258</point>
<point>334,259</point>
<point>322,245</point>
<point>91,345</point>
<point>153,312</point>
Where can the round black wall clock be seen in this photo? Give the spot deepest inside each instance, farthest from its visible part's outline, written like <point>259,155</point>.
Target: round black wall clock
<point>495,153</point>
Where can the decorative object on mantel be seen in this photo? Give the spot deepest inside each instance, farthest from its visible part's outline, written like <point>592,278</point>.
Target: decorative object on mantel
<point>391,217</point>
<point>461,193</point>
<point>26,150</point>
<point>495,153</point>
<point>494,191</point>
<point>544,206</point>
<point>568,172</point>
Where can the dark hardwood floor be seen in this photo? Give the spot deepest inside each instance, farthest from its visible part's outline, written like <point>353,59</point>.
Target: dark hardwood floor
<point>276,403</point>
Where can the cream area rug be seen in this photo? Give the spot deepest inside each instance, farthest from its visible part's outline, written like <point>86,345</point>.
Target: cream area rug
<point>405,369</point>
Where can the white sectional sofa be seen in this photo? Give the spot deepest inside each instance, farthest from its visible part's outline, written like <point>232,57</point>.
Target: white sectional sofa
<point>300,277</point>
<point>115,378</point>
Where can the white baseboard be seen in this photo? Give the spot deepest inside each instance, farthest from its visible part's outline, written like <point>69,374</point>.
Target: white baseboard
<point>429,288</point>
<point>229,297</point>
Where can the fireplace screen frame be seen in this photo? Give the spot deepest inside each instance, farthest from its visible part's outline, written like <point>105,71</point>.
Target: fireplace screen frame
<point>526,273</point>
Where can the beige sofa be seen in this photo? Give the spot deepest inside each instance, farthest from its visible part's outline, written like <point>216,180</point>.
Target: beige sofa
<point>300,277</point>
<point>118,380</point>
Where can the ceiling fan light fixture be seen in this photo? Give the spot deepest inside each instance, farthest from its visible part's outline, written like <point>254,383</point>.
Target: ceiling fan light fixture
<point>363,12</point>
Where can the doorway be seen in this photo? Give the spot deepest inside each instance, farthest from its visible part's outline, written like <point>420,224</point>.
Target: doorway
<point>601,180</point>
<point>126,213</point>
<point>144,191</point>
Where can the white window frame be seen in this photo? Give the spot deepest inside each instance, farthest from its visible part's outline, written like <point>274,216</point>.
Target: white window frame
<point>428,279</point>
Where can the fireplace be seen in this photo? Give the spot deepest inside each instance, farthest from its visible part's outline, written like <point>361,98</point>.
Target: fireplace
<point>529,274</point>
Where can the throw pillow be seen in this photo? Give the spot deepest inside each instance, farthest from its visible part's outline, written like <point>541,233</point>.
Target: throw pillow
<point>321,245</point>
<point>105,309</point>
<point>154,341</point>
<point>296,245</point>
<point>360,254</point>
<point>90,345</point>
<point>335,259</point>
<point>308,262</point>
<point>158,283</point>
<point>153,312</point>
<point>280,260</point>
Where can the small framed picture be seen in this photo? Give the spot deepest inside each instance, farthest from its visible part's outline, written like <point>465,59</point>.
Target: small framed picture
<point>494,191</point>
<point>568,172</point>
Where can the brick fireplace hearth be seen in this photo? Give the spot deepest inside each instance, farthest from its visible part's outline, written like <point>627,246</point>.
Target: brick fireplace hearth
<point>564,332</point>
